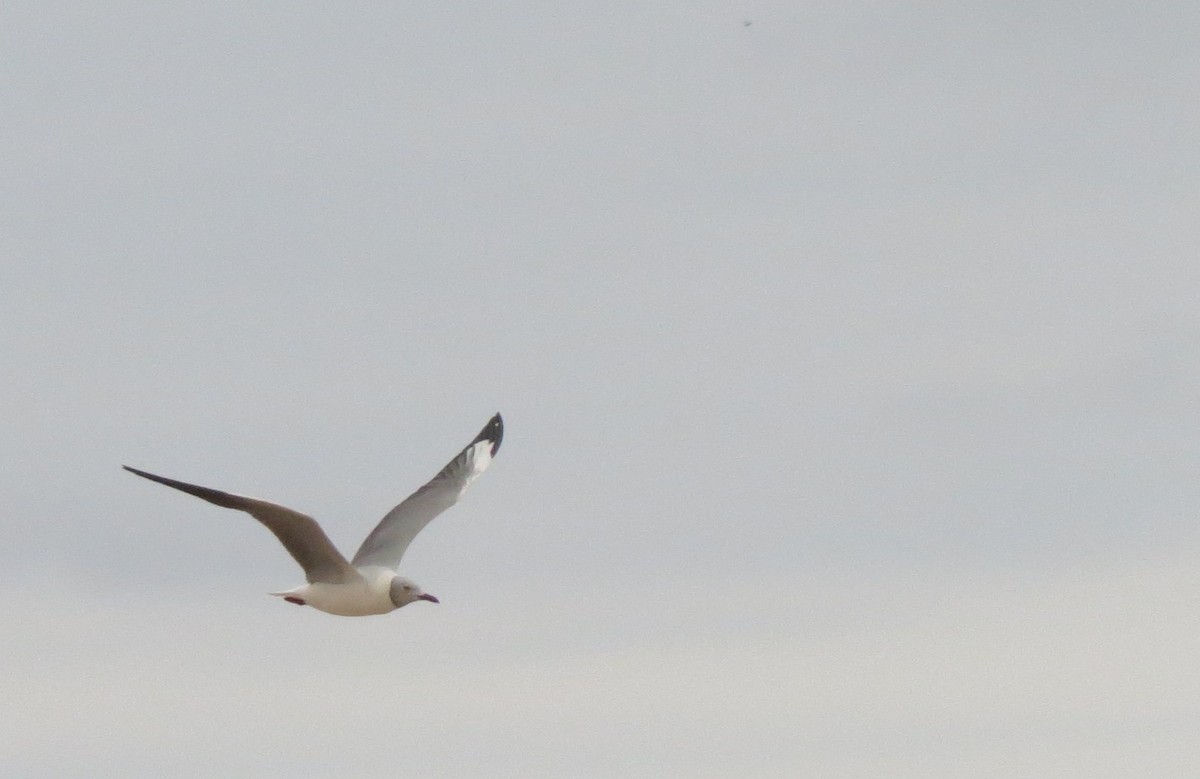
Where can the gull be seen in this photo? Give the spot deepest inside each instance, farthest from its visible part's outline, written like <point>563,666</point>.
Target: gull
<point>368,584</point>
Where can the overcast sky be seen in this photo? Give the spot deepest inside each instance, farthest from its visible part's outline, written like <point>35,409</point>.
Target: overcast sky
<point>849,355</point>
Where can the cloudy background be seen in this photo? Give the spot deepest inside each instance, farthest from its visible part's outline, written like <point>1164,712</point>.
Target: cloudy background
<point>849,354</point>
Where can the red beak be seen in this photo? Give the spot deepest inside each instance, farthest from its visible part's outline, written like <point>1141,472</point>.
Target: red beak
<point>428,597</point>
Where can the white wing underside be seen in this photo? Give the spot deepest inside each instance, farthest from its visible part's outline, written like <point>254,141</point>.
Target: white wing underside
<point>311,548</point>
<point>387,543</point>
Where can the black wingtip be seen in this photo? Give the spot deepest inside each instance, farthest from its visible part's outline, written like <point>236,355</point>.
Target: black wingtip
<point>216,497</point>
<point>151,476</point>
<point>493,431</point>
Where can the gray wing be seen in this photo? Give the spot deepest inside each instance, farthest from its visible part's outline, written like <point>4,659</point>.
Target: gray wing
<point>299,533</point>
<point>387,542</point>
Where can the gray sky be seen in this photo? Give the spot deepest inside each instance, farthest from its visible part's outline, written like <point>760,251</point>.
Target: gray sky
<point>849,361</point>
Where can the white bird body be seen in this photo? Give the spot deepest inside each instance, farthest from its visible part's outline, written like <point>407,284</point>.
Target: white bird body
<point>361,597</point>
<point>368,584</point>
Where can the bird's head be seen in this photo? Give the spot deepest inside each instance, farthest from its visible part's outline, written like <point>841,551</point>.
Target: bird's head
<point>405,591</point>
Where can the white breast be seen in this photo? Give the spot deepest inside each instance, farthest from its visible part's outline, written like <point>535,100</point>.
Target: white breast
<point>368,595</point>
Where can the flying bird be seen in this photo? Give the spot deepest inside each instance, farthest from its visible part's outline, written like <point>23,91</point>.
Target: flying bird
<point>368,584</point>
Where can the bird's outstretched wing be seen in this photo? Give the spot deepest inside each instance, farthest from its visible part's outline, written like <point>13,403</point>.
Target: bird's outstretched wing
<point>387,542</point>
<point>299,533</point>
